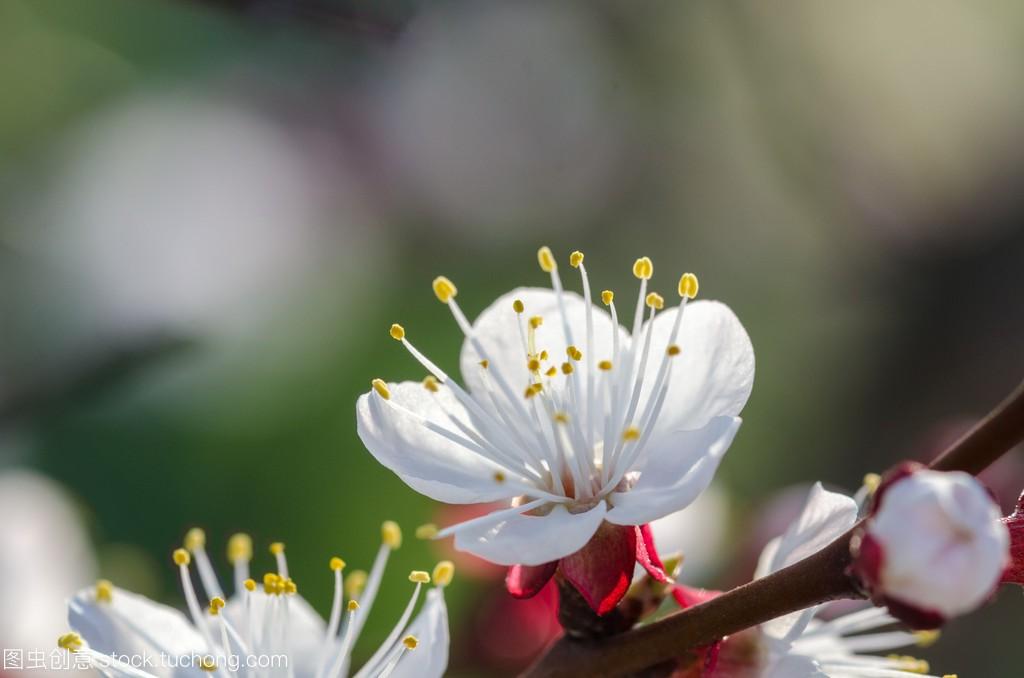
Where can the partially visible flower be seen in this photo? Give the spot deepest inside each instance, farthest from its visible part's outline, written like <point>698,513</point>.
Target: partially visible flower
<point>585,445</point>
<point>44,553</point>
<point>1014,573</point>
<point>260,624</point>
<point>933,546</point>
<point>800,645</point>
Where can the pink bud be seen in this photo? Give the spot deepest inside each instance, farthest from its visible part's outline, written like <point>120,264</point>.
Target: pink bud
<point>933,546</point>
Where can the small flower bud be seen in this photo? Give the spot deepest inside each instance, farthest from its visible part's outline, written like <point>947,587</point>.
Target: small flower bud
<point>933,546</point>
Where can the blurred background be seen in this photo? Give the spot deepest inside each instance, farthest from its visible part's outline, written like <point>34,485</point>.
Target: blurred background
<point>210,213</point>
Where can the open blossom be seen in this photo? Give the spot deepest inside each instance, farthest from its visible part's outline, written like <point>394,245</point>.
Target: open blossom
<point>933,546</point>
<point>801,644</point>
<point>582,427</point>
<point>267,626</point>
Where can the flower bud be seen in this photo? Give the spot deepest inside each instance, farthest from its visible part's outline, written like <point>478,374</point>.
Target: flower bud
<point>933,546</point>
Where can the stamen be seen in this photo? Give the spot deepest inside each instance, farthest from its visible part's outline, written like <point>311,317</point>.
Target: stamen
<point>605,365</point>
<point>575,259</point>
<point>688,286</point>
<point>373,663</point>
<point>546,260</point>
<point>426,531</point>
<point>643,268</point>
<point>443,573</point>
<point>607,297</point>
<point>216,605</point>
<point>249,584</point>
<point>551,371</point>
<point>182,559</point>
<point>195,542</point>
<point>347,639</point>
<point>631,433</point>
<point>444,289</point>
<point>567,368</point>
<point>397,332</point>
<point>574,352</point>
<point>927,638</point>
<point>518,306</point>
<point>104,591</point>
<point>72,642</point>
<point>587,433</point>
<point>381,388</point>
<point>334,621</point>
<point>499,477</point>
<point>355,584</point>
<point>410,642</point>
<point>277,550</point>
<point>494,517</point>
<point>536,321</point>
<point>391,534</point>
<point>430,383</point>
<point>655,300</point>
<point>673,350</point>
<point>239,555</point>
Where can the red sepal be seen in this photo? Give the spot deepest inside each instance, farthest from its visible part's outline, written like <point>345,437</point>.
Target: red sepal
<point>525,581</point>
<point>603,569</point>
<point>892,476</point>
<point>914,617</point>
<point>1015,525</point>
<point>647,555</point>
<point>688,597</point>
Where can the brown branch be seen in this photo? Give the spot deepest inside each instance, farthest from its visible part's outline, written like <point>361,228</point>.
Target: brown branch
<point>816,579</point>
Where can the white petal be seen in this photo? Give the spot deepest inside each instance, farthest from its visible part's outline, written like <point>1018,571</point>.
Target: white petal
<point>430,658</point>
<point>713,374</point>
<point>102,625</point>
<point>794,666</point>
<point>427,461</point>
<point>305,630</point>
<point>498,332</point>
<point>532,540</point>
<point>825,516</point>
<point>679,467</point>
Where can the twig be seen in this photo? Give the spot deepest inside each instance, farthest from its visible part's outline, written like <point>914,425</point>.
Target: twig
<point>816,579</point>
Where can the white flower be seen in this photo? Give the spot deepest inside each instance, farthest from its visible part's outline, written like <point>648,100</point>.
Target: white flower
<point>566,415</point>
<point>271,628</point>
<point>934,543</point>
<point>800,645</point>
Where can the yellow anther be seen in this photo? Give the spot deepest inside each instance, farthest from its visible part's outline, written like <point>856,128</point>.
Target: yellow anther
<point>529,392</point>
<point>518,306</point>
<point>673,350</point>
<point>272,583</point>
<point>249,584</point>
<point>546,259</point>
<point>444,289</point>
<point>104,591</point>
<point>195,539</point>
<point>533,364</point>
<point>643,268</point>
<point>353,605</point>
<point>336,564</point>
<point>910,664</point>
<point>927,638</point>
<point>536,321</point>
<point>381,388</point>
<point>216,605</point>
<point>543,355</point>
<point>443,573</point>
<point>604,365</point>
<point>499,477</point>
<point>426,531</point>
<point>607,297</point>
<point>181,557</point>
<point>410,642</point>
<point>574,352</point>
<point>655,301</point>
<point>277,548</point>
<point>575,259</point>
<point>397,332</point>
<point>391,534</point>
<point>290,587</point>
<point>551,371</point>
<point>688,286</point>
<point>872,481</point>
<point>419,577</point>
<point>208,664</point>
<point>239,547</point>
<point>567,368</point>
<point>631,433</point>
<point>355,583</point>
<point>430,383</point>
<point>72,642</point>
<point>485,363</point>
<point>949,675</point>
<point>536,388</point>
<point>561,417</point>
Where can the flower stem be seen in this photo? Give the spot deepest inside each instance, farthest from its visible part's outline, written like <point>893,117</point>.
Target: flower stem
<point>816,579</point>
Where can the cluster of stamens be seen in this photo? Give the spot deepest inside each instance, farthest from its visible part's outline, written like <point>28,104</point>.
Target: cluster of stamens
<point>563,434</point>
